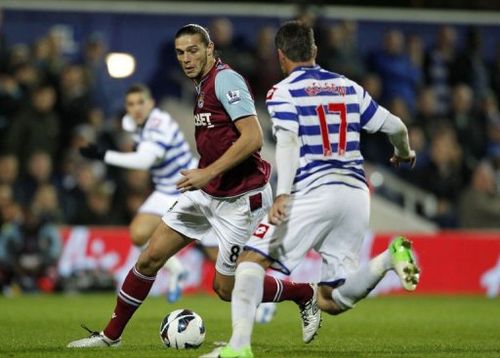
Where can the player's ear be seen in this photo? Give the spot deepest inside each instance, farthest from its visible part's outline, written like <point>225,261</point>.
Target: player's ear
<point>314,52</point>
<point>281,55</point>
<point>210,49</point>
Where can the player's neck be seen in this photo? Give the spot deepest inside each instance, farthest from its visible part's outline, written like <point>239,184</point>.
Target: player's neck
<point>291,66</point>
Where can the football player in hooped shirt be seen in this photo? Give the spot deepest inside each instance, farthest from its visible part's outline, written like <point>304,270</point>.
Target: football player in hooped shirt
<point>322,200</point>
<point>226,196</point>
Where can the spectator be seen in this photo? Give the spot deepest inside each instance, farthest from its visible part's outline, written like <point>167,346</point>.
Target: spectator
<point>469,67</point>
<point>19,54</point>
<point>6,198</point>
<point>98,209</point>
<point>11,102</point>
<point>416,51</point>
<point>470,127</point>
<point>39,172</point>
<point>445,175</point>
<point>480,203</point>
<point>266,68</point>
<point>9,173</point>
<point>438,67</point>
<point>372,83</point>
<point>400,77</point>
<point>9,169</point>
<point>490,116</point>
<point>427,111</point>
<point>74,100</point>
<point>28,254</point>
<point>46,204</point>
<point>85,177</point>
<point>36,127</point>
<point>103,88</point>
<point>341,53</point>
<point>231,49</point>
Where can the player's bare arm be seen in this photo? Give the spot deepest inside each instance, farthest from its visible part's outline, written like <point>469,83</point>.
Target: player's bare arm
<point>250,140</point>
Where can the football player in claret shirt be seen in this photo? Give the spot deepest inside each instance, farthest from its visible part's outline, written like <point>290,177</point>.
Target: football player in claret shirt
<point>227,195</point>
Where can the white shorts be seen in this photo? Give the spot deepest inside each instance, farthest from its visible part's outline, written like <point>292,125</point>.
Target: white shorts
<point>231,220</point>
<point>331,219</point>
<point>158,204</point>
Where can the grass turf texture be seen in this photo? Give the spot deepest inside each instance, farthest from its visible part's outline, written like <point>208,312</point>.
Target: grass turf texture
<point>413,326</point>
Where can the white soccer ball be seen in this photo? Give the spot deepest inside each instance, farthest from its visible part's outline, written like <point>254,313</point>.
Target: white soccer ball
<point>182,329</point>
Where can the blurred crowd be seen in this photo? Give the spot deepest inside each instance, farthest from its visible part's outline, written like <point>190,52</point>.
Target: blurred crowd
<point>446,93</point>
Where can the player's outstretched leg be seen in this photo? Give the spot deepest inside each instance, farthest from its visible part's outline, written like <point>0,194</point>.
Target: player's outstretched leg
<point>358,284</point>
<point>403,262</point>
<point>176,275</point>
<point>164,243</point>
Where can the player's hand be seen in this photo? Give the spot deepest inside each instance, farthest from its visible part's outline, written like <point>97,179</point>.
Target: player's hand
<point>396,160</point>
<point>193,179</point>
<point>91,151</point>
<point>279,211</point>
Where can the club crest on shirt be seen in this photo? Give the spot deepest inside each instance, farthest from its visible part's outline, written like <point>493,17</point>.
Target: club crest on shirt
<point>261,231</point>
<point>270,93</point>
<point>200,100</point>
<point>154,122</point>
<point>233,96</point>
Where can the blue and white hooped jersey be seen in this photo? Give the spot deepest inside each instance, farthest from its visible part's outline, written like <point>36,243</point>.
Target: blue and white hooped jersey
<point>327,111</point>
<point>161,136</point>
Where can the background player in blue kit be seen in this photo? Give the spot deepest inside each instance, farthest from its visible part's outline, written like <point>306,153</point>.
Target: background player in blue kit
<point>162,150</point>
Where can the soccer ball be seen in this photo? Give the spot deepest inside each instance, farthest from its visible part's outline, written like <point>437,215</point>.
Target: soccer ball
<point>182,329</point>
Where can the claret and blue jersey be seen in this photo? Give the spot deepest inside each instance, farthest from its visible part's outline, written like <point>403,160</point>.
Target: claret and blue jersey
<point>327,111</point>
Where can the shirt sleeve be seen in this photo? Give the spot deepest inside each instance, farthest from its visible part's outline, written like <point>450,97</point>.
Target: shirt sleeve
<point>233,92</point>
<point>287,160</point>
<point>145,157</point>
<point>372,116</point>
<point>282,111</point>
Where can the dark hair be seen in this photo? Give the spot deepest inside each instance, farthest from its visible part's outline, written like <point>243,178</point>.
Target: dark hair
<point>193,29</point>
<point>138,88</point>
<point>296,40</point>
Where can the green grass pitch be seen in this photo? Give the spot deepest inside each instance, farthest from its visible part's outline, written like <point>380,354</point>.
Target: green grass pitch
<point>395,326</point>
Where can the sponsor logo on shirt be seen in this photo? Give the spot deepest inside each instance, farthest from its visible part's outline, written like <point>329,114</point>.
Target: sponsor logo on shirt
<point>203,120</point>
<point>233,96</point>
<point>316,88</point>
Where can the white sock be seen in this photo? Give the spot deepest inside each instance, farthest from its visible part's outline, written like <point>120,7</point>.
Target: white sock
<point>247,294</point>
<point>174,265</point>
<point>360,283</point>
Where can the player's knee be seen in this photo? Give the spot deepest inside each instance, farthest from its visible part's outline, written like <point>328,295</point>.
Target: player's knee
<point>222,291</point>
<point>150,262</point>
<point>138,234</point>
